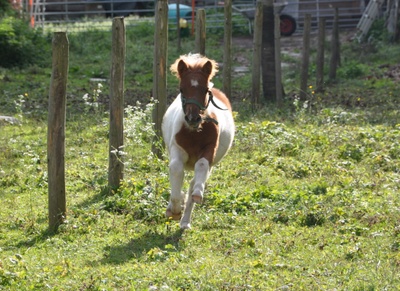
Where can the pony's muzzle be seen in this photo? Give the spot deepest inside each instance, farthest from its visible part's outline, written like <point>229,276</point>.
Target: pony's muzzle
<point>193,120</point>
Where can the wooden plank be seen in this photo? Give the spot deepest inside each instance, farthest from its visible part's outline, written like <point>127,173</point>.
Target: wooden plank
<point>320,55</point>
<point>368,17</point>
<point>178,25</point>
<point>160,71</point>
<point>56,131</point>
<point>268,52</point>
<point>278,66</point>
<point>116,135</point>
<point>335,46</point>
<point>256,68</point>
<point>305,58</point>
<point>200,37</point>
<point>227,72</point>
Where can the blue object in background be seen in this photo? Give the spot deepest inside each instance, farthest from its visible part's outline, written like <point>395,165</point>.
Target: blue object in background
<point>184,11</point>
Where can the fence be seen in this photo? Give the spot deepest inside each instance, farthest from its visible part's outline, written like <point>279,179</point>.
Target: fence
<point>57,97</point>
<point>78,12</point>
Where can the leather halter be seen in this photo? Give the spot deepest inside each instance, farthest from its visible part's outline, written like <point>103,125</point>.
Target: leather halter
<point>186,101</point>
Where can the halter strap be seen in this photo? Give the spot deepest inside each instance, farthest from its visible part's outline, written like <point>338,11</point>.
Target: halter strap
<point>186,101</point>
<point>210,119</point>
<point>211,99</point>
<point>192,101</point>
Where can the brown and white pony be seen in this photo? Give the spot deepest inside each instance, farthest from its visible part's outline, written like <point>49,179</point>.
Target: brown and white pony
<point>198,130</point>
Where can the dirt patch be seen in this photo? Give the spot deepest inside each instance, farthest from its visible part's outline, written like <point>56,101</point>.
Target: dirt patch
<point>294,43</point>
<point>393,72</point>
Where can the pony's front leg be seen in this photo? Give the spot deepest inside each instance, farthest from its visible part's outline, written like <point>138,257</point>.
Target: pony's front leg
<point>201,173</point>
<point>196,190</point>
<point>176,175</point>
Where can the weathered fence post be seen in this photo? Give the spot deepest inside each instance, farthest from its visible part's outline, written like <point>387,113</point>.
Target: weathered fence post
<point>268,52</point>
<point>200,32</point>
<point>227,73</point>
<point>335,47</point>
<point>393,24</point>
<point>256,68</point>
<point>305,57</point>
<point>278,67</point>
<point>320,55</point>
<point>178,25</point>
<point>116,135</point>
<point>56,131</point>
<point>160,70</point>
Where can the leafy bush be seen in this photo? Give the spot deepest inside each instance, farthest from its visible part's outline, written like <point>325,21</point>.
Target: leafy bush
<point>21,45</point>
<point>378,31</point>
<point>5,8</point>
<point>352,70</point>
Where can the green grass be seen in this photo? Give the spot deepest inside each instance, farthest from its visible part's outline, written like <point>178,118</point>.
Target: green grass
<point>307,198</point>
<point>317,212</point>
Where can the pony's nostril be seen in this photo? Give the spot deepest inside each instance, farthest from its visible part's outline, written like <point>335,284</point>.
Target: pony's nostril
<point>193,120</point>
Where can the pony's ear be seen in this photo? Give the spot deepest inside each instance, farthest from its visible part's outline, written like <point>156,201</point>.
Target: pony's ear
<point>207,68</point>
<point>182,67</point>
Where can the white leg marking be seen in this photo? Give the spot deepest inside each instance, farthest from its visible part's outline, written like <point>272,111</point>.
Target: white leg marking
<point>176,175</point>
<point>196,190</point>
<point>201,173</point>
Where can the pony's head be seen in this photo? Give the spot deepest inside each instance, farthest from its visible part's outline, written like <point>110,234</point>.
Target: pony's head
<point>194,72</point>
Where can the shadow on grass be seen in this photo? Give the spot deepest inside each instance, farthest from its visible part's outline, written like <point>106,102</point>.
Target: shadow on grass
<point>38,238</point>
<point>140,246</point>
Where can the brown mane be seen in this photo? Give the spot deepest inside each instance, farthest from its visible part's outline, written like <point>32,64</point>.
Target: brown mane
<point>194,62</point>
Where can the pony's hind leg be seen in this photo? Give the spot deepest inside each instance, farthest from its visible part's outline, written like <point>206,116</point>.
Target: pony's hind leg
<point>176,174</point>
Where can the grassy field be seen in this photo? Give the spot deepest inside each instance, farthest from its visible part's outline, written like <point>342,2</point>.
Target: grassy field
<point>307,199</point>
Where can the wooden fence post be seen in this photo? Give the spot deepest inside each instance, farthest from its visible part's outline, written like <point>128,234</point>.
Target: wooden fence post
<point>160,71</point>
<point>320,55</point>
<point>256,68</point>
<point>268,52</point>
<point>335,47</point>
<point>305,57</point>
<point>227,72</point>
<point>116,139</point>
<point>278,67</point>
<point>200,32</point>
<point>56,131</point>
<point>178,25</point>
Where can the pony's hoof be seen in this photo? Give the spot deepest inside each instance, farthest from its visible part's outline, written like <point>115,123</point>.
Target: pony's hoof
<point>174,216</point>
<point>197,198</point>
<point>185,225</point>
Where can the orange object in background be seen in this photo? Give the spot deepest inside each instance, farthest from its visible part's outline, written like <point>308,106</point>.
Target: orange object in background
<point>17,5</point>
<point>32,21</point>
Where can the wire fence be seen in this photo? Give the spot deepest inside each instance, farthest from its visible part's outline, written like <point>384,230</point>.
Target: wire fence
<point>85,14</point>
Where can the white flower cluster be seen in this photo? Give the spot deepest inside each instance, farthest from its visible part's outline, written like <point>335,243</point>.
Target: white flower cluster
<point>138,123</point>
<point>93,100</point>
